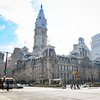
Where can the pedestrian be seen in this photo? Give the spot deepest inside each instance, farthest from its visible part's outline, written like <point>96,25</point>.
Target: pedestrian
<point>78,87</point>
<point>7,82</point>
<point>74,86</point>
<point>3,81</point>
<point>71,86</point>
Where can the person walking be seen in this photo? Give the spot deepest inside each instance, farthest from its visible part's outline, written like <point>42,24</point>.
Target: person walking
<point>7,82</point>
<point>3,81</point>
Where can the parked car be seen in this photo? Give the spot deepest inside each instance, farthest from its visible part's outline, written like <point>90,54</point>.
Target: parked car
<point>19,86</point>
<point>30,85</point>
<point>85,85</point>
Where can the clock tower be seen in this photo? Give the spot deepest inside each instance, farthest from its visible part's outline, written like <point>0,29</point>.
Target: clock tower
<point>40,37</point>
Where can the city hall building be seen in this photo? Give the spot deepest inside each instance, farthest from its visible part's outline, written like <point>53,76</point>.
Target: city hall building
<point>43,65</point>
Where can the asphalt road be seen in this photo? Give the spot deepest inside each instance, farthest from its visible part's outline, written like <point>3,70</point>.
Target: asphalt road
<point>39,93</point>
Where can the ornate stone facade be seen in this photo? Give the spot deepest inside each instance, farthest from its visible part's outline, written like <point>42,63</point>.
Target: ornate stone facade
<point>44,66</point>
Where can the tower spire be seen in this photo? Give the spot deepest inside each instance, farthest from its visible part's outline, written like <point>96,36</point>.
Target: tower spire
<point>40,38</point>
<point>41,6</point>
<point>41,21</point>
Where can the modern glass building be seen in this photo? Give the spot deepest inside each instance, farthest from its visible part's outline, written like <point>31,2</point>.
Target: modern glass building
<point>95,46</point>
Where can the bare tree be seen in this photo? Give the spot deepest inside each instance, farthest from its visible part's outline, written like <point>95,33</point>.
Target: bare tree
<point>85,67</point>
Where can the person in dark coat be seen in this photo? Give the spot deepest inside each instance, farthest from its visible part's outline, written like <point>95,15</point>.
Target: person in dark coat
<point>3,81</point>
<point>7,82</point>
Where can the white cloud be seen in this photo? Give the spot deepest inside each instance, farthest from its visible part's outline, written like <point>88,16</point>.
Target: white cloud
<point>67,20</point>
<point>22,13</point>
<point>7,48</point>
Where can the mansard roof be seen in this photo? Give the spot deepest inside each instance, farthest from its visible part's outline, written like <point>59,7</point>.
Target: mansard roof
<point>48,51</point>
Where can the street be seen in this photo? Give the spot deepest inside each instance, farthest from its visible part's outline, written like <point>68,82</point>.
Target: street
<point>40,93</point>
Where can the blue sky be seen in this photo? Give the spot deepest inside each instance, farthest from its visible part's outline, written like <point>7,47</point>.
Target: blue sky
<point>67,20</point>
<point>7,30</point>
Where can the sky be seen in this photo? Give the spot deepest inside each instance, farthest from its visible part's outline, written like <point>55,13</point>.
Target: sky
<point>67,20</point>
